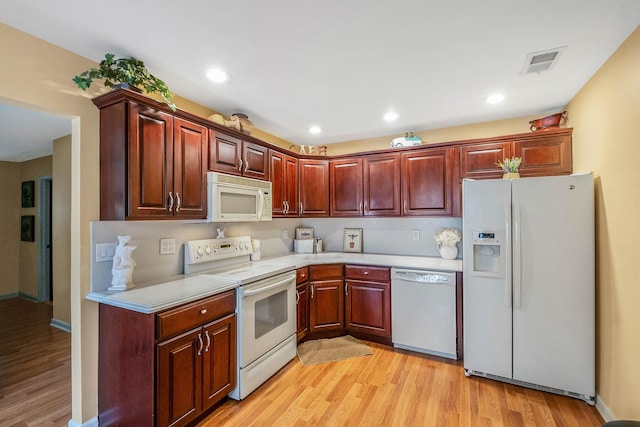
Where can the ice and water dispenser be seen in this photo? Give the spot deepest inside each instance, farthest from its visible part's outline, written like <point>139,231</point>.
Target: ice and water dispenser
<point>488,253</point>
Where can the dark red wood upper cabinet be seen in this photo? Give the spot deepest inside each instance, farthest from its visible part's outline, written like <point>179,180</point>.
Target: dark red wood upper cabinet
<point>426,182</point>
<point>314,187</point>
<point>381,179</point>
<point>190,169</point>
<point>345,183</point>
<point>224,153</point>
<point>547,155</point>
<point>479,160</point>
<point>255,161</point>
<point>283,173</point>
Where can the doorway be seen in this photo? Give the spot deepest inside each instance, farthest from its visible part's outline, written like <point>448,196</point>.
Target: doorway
<point>45,247</point>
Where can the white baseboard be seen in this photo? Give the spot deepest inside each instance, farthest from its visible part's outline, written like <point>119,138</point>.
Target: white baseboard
<point>61,325</point>
<point>603,409</point>
<point>93,422</point>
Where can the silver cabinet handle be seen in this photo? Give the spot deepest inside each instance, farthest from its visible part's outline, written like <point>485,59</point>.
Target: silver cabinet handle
<point>366,272</point>
<point>203,311</point>
<point>360,207</point>
<point>312,294</point>
<point>240,160</point>
<point>200,344</point>
<point>170,201</point>
<point>287,207</point>
<point>297,297</point>
<point>346,289</point>
<point>246,164</point>
<point>178,202</point>
<point>301,210</point>
<point>206,334</point>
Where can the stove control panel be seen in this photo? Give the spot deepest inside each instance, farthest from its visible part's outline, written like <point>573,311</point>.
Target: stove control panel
<point>209,250</point>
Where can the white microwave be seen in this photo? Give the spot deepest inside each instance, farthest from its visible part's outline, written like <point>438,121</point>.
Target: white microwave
<point>237,199</point>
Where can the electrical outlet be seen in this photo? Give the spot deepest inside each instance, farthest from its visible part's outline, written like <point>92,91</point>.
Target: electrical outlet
<point>285,234</point>
<point>167,246</point>
<point>416,234</point>
<point>105,251</point>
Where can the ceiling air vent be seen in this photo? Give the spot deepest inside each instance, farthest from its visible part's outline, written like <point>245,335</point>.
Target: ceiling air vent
<point>538,62</point>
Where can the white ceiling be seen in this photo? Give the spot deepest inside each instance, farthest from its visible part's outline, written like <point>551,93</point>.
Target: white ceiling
<point>342,64</point>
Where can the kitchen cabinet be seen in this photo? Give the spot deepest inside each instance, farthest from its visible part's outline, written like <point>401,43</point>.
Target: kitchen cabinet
<point>284,184</point>
<point>302,303</point>
<point>479,161</point>
<point>152,165</point>
<point>326,300</point>
<point>426,182</point>
<point>368,302</point>
<point>235,156</point>
<point>345,187</point>
<point>314,187</point>
<point>180,362</point>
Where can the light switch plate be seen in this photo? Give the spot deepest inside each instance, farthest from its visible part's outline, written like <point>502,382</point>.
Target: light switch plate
<point>167,246</point>
<point>105,251</point>
<point>416,234</point>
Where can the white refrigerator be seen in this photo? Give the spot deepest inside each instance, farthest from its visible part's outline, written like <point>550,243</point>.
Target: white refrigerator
<point>529,282</point>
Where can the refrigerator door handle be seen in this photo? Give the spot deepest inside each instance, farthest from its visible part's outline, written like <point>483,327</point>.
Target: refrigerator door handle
<point>507,280</point>
<point>517,257</point>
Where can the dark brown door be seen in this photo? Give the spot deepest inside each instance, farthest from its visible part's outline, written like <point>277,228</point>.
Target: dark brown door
<point>302,310</point>
<point>179,379</point>
<point>314,188</point>
<point>549,155</point>
<point>150,162</point>
<point>224,153</point>
<point>277,178</point>
<point>255,161</point>
<point>345,178</point>
<point>426,182</point>
<point>291,185</point>
<point>326,306</point>
<point>479,160</point>
<point>218,360</point>
<point>189,169</point>
<point>368,307</point>
<point>381,178</point>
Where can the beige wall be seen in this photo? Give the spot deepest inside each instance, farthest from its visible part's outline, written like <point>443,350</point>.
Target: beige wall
<point>9,228</point>
<point>28,258</point>
<point>605,115</point>
<point>456,133</point>
<point>61,233</point>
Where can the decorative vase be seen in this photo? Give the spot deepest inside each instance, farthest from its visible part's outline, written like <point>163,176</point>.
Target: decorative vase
<point>511,175</point>
<point>448,252</point>
<point>549,122</point>
<point>244,124</point>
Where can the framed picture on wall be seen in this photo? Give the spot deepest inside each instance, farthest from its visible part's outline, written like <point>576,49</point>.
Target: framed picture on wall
<point>27,228</point>
<point>352,240</point>
<point>28,200</point>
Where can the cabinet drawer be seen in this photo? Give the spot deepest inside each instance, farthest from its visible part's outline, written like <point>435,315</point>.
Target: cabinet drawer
<point>366,272</point>
<point>325,271</point>
<point>302,275</point>
<point>195,314</point>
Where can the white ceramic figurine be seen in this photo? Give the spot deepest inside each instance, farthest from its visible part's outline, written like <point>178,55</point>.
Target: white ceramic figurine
<point>123,264</point>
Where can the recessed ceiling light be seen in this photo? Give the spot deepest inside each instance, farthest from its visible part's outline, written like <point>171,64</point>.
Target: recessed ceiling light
<point>390,116</point>
<point>495,98</point>
<point>217,75</point>
<point>315,129</point>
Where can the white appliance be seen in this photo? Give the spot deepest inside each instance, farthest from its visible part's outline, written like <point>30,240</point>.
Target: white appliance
<point>266,306</point>
<point>234,198</point>
<point>423,313</point>
<point>528,274</point>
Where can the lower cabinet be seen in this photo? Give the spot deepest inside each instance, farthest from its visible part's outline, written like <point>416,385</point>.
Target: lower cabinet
<point>302,303</point>
<point>326,299</point>
<point>368,302</point>
<point>166,368</point>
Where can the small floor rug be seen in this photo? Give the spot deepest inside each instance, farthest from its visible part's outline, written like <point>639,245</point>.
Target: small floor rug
<point>329,350</point>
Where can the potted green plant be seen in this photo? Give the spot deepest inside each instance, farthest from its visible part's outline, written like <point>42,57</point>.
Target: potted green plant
<point>510,167</point>
<point>125,72</point>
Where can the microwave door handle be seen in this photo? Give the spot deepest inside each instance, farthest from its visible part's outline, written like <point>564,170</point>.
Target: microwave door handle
<point>250,292</point>
<point>261,203</point>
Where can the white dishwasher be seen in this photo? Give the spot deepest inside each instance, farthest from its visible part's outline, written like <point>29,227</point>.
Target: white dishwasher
<point>423,311</point>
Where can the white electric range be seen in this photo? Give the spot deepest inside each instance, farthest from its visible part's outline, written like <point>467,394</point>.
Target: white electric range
<point>266,308</point>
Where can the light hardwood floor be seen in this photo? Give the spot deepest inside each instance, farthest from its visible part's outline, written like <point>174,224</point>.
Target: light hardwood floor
<point>35,366</point>
<point>396,388</point>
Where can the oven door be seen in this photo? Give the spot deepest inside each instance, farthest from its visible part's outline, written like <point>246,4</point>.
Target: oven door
<point>267,315</point>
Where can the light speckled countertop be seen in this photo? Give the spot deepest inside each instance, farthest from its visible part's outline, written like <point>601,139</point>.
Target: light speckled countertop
<point>160,295</point>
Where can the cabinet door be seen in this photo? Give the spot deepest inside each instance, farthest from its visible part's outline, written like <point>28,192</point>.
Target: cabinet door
<point>255,161</point>
<point>218,360</point>
<point>426,182</point>
<point>326,306</point>
<point>150,162</point>
<point>302,310</point>
<point>345,178</point>
<point>368,307</point>
<point>283,173</point>
<point>479,160</point>
<point>381,179</point>
<point>224,153</point>
<point>189,169</point>
<point>179,379</point>
<point>548,155</point>
<point>314,188</point>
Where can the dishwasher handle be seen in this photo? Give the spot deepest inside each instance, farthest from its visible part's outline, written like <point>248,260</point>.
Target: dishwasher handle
<point>427,277</point>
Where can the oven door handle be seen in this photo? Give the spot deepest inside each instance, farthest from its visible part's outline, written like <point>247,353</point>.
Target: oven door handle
<point>250,292</point>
